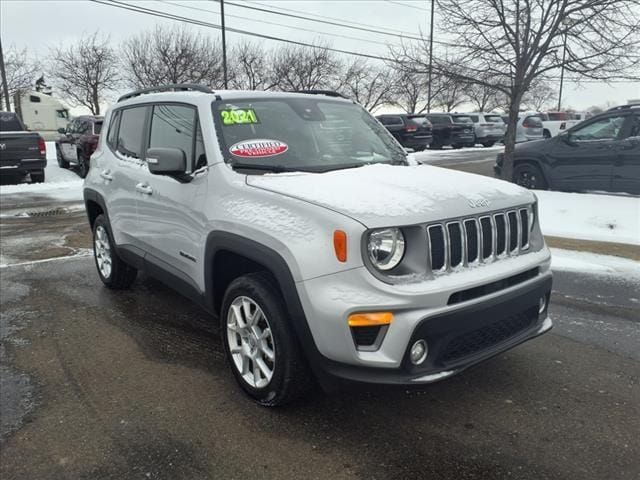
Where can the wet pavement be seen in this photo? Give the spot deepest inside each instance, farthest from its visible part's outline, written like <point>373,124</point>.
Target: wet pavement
<point>98,384</point>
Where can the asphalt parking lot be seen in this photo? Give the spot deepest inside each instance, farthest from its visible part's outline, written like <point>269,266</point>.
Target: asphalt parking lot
<point>99,384</point>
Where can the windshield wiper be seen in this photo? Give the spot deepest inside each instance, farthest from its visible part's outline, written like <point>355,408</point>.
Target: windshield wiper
<point>263,167</point>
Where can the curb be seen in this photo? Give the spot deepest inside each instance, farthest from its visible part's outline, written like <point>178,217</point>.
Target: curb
<point>623,250</point>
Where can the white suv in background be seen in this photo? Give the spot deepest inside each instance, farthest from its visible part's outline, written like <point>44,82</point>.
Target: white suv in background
<point>489,128</point>
<point>299,222</point>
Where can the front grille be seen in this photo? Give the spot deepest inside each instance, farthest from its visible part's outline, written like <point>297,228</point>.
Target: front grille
<point>488,336</point>
<point>485,238</point>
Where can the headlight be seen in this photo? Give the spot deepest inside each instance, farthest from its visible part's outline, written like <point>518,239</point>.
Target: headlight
<point>386,248</point>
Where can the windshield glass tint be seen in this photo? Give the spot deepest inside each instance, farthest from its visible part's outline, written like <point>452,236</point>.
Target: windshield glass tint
<point>439,119</point>
<point>9,122</point>
<point>420,120</point>
<point>313,134</point>
<point>462,119</point>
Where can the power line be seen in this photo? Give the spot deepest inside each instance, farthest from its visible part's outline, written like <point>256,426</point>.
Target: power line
<point>377,27</point>
<point>408,6</point>
<point>273,23</point>
<point>170,16</point>
<point>161,14</point>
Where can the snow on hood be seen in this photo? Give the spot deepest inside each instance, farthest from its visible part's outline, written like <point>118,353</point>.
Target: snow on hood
<point>386,195</point>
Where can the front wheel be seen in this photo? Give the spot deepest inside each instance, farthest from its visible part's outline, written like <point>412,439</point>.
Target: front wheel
<point>113,272</point>
<point>529,176</point>
<point>261,347</point>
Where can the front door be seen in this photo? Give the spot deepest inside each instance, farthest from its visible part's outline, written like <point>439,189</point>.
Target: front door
<point>584,158</point>
<point>171,222</point>
<point>626,170</point>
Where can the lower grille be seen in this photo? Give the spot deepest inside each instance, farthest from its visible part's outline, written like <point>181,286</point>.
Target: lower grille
<point>488,336</point>
<point>365,336</point>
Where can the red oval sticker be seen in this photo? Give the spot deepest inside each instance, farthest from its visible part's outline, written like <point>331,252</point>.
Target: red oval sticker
<point>258,148</point>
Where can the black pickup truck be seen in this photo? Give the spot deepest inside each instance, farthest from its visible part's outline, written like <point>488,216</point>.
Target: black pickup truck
<point>21,151</point>
<point>446,131</point>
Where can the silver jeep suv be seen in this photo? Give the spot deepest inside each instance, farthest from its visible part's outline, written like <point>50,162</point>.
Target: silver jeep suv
<point>326,253</point>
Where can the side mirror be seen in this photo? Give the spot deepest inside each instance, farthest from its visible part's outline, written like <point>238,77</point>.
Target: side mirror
<point>62,131</point>
<point>166,161</point>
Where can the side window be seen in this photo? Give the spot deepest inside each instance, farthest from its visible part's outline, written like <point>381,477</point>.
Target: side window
<point>200,155</point>
<point>604,129</point>
<point>130,131</point>
<point>112,137</point>
<point>174,126</point>
<point>394,121</point>
<point>475,118</point>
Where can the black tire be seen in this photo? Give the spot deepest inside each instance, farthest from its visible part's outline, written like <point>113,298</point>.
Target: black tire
<point>37,177</point>
<point>121,275</point>
<point>488,144</point>
<point>529,176</point>
<point>419,148</point>
<point>83,164</point>
<point>291,378</point>
<point>435,146</point>
<point>62,163</point>
<point>457,146</point>
<point>546,134</point>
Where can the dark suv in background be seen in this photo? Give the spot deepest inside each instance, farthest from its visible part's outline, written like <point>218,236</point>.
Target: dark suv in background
<point>78,141</point>
<point>411,130</point>
<point>599,154</point>
<point>447,131</point>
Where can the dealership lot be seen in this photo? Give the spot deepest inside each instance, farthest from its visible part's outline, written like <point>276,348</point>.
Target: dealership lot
<point>102,384</point>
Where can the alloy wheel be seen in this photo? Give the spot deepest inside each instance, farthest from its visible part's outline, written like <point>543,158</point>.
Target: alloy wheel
<point>103,251</point>
<point>250,342</point>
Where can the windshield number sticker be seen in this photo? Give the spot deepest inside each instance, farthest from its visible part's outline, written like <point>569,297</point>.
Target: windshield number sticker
<point>239,117</point>
<point>260,148</point>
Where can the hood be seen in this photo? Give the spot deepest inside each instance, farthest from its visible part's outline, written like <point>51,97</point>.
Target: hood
<point>534,145</point>
<point>386,195</point>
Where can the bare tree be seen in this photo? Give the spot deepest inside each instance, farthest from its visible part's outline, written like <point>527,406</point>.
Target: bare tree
<point>304,68</point>
<point>370,86</point>
<point>483,97</point>
<point>539,97</point>
<point>21,73</point>
<point>448,92</point>
<point>86,71</point>
<point>410,91</point>
<point>250,68</point>
<point>172,55</point>
<point>508,44</point>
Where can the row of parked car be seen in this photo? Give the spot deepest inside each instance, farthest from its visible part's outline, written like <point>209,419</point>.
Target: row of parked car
<point>437,130</point>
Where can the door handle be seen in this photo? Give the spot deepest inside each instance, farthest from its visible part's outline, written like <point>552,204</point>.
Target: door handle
<point>106,174</point>
<point>144,188</point>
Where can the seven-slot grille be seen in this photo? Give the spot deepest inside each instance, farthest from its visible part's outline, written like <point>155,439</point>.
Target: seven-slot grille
<point>479,239</point>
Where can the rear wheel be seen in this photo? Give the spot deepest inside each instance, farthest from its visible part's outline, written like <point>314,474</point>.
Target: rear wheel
<point>62,163</point>
<point>37,177</point>
<point>457,146</point>
<point>546,134</point>
<point>529,176</point>
<point>488,144</point>
<point>261,347</point>
<point>113,272</point>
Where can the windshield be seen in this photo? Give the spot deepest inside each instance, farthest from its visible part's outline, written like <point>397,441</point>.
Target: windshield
<point>420,120</point>
<point>307,134</point>
<point>439,119</point>
<point>493,119</point>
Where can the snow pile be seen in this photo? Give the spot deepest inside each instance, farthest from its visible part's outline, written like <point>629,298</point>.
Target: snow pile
<point>583,216</point>
<point>573,261</point>
<point>60,184</point>
<point>433,156</point>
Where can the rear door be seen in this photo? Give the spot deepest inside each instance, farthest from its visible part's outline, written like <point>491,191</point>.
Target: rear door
<point>626,168</point>
<point>170,211</point>
<point>584,158</point>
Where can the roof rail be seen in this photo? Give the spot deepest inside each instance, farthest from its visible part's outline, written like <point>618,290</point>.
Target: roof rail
<point>624,107</point>
<point>167,88</point>
<point>328,93</point>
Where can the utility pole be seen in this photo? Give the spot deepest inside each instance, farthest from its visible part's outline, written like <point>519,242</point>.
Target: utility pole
<point>430,56</point>
<point>5,86</point>
<point>224,46</point>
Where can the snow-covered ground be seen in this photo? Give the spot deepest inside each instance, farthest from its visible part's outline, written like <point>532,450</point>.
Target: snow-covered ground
<point>573,261</point>
<point>60,184</point>
<point>430,156</point>
<point>605,218</point>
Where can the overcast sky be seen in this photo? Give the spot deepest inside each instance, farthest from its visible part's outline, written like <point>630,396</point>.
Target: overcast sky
<point>39,24</point>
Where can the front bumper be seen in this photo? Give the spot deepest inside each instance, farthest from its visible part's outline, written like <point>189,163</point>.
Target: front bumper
<point>458,340</point>
<point>423,312</point>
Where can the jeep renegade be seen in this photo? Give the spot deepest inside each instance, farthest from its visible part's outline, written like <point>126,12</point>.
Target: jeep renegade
<point>327,254</point>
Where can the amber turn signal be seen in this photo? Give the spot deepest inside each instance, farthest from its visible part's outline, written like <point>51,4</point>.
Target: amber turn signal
<point>372,319</point>
<point>340,245</point>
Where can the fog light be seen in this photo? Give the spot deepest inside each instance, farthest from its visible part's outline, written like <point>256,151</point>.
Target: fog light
<point>542,306</point>
<point>418,352</point>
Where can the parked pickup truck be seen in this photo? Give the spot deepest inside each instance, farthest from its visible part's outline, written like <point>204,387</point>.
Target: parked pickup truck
<point>21,151</point>
<point>554,123</point>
